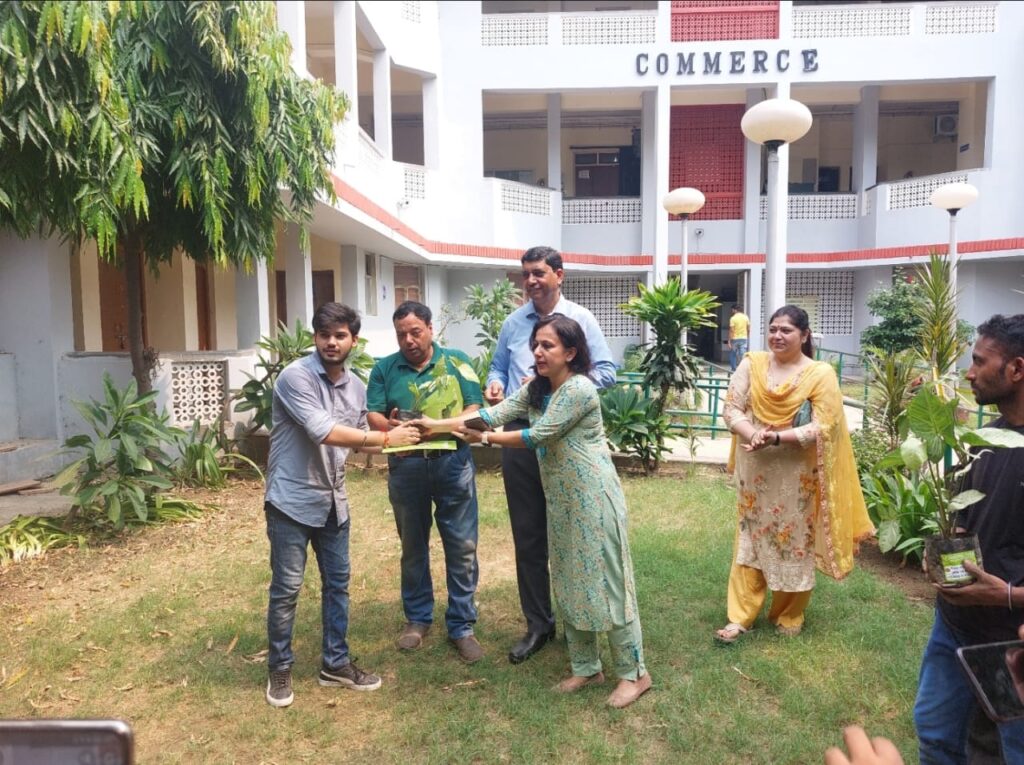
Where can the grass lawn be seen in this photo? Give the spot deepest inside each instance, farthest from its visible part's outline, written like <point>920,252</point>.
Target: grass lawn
<point>166,630</point>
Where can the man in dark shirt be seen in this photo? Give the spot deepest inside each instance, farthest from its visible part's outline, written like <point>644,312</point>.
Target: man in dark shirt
<point>992,607</point>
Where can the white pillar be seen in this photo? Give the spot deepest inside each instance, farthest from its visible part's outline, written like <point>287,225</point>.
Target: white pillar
<point>252,305</point>
<point>752,186</point>
<point>353,285</point>
<point>655,120</point>
<point>298,277</point>
<point>382,101</point>
<point>865,140</point>
<point>291,18</point>
<point>754,308</point>
<point>431,123</point>
<point>346,78</point>
<point>555,141</point>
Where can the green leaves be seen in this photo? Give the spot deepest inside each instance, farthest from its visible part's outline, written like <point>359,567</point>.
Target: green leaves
<point>257,395</point>
<point>633,425</point>
<point>671,311</point>
<point>121,466</point>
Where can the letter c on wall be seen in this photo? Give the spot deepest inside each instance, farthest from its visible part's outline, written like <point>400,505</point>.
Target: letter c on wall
<point>641,63</point>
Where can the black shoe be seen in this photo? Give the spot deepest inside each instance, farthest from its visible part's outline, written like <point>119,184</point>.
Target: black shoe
<point>529,645</point>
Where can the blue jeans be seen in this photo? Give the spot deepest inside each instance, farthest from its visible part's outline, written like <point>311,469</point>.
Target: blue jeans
<point>289,540</point>
<point>945,705</point>
<point>416,485</point>
<point>739,350</point>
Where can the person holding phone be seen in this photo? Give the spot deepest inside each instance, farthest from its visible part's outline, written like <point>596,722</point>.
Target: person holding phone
<point>591,567</point>
<point>991,608</point>
<point>511,369</point>
<point>799,495</point>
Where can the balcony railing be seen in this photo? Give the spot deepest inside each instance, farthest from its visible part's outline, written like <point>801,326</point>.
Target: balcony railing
<point>917,192</point>
<point>597,211</point>
<point>522,198</point>
<point>506,30</point>
<point>892,20</point>
<point>817,207</point>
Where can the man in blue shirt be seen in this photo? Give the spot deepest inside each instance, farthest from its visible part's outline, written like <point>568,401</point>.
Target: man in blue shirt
<point>319,414</point>
<point>511,367</point>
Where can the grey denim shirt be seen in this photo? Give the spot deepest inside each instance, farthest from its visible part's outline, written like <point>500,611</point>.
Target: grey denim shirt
<point>305,477</point>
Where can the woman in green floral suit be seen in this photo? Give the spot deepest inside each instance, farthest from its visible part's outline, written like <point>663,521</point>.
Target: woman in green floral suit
<point>591,568</point>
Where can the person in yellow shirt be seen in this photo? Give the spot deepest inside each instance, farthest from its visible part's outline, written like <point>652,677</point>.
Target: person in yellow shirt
<point>739,334</point>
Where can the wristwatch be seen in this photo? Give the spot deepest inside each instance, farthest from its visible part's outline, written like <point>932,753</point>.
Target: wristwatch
<point>483,438</point>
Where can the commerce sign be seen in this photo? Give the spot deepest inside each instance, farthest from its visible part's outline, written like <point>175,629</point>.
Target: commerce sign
<point>735,62</point>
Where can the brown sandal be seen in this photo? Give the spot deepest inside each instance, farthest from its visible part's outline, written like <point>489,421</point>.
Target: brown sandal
<point>737,631</point>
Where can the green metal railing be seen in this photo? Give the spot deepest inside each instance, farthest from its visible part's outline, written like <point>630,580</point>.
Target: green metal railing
<point>712,385</point>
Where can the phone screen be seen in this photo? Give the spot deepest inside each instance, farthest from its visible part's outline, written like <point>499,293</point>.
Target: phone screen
<point>65,742</point>
<point>477,423</point>
<point>996,671</point>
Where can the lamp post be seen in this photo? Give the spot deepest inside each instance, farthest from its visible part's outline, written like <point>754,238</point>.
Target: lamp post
<point>773,123</point>
<point>953,197</point>
<point>683,202</point>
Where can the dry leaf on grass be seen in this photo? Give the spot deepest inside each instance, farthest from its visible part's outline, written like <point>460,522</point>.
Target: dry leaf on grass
<point>124,688</point>
<point>161,633</point>
<point>68,697</point>
<point>256,658</point>
<point>232,644</point>
<point>15,679</point>
<point>466,684</point>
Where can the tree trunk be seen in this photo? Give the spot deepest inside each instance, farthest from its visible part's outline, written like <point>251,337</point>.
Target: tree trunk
<point>132,268</point>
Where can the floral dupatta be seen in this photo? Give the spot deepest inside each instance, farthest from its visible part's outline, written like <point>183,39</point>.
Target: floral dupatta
<point>841,520</point>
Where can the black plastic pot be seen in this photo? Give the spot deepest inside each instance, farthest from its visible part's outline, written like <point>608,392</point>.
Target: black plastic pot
<point>944,558</point>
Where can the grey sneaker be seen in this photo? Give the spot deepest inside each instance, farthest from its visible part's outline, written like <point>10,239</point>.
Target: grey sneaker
<point>349,676</point>
<point>279,688</point>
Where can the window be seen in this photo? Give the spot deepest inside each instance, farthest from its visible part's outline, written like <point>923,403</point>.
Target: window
<point>408,284</point>
<point>371,284</point>
<point>519,176</point>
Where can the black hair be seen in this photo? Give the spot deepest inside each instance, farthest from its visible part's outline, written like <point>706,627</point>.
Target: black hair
<point>549,255</point>
<point>1007,332</point>
<point>798,318</point>
<point>735,306</point>
<point>571,335</point>
<point>418,310</point>
<point>330,314</point>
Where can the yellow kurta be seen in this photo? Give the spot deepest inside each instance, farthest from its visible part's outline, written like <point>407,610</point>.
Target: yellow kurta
<point>799,506</point>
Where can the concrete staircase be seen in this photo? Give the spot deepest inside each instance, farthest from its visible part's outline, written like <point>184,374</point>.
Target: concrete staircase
<point>29,458</point>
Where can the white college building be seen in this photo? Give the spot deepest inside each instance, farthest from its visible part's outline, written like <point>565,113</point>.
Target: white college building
<point>479,129</point>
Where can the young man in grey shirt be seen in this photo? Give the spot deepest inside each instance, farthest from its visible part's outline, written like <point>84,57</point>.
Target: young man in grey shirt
<point>319,414</point>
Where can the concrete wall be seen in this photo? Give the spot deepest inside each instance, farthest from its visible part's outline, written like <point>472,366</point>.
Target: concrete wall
<point>36,325</point>
<point>8,398</point>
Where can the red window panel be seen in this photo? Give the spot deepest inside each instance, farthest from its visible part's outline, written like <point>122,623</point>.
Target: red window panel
<point>706,152</point>
<point>696,20</point>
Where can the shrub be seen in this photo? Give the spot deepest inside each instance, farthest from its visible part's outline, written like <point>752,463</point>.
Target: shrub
<point>634,425</point>
<point>125,462</point>
<point>206,459</point>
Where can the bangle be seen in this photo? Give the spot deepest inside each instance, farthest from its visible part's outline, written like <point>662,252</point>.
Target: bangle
<point>387,439</point>
<point>1009,596</point>
<point>778,438</point>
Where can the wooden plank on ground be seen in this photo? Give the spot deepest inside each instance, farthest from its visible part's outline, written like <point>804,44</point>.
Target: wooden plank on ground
<point>39,490</point>
<point>7,448</point>
<point>15,486</point>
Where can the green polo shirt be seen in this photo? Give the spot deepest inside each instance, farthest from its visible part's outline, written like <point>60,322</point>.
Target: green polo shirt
<point>443,395</point>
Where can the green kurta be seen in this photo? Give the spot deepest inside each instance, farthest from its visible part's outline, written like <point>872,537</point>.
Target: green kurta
<point>591,569</point>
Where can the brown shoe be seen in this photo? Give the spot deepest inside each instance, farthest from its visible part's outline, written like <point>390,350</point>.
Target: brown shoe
<point>628,691</point>
<point>412,636</point>
<point>469,648</point>
<point>574,683</point>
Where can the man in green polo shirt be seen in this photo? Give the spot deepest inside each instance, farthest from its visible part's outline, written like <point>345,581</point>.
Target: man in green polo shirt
<point>439,476</point>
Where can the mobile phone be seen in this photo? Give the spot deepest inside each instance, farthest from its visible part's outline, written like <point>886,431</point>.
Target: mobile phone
<point>996,673</point>
<point>66,742</point>
<point>477,423</point>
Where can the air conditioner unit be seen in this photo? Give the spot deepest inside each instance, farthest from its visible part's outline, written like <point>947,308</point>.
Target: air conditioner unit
<point>946,124</point>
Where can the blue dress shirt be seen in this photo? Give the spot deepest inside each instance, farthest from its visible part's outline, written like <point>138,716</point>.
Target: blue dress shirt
<point>513,359</point>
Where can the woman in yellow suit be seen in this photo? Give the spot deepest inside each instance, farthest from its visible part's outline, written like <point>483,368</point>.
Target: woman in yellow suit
<point>799,500</point>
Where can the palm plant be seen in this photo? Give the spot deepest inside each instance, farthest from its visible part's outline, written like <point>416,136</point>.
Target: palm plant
<point>941,341</point>
<point>670,310</point>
